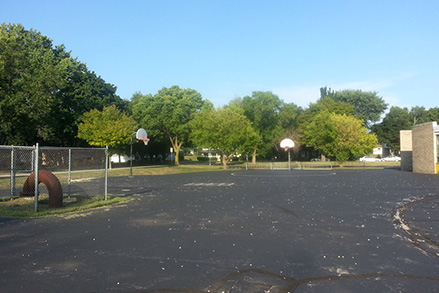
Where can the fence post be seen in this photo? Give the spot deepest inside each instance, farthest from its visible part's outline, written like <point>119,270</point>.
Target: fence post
<point>36,170</point>
<point>12,172</point>
<point>106,173</point>
<point>69,183</point>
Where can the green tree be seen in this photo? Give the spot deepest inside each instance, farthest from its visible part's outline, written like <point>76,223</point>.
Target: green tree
<point>419,115</point>
<point>43,90</point>
<point>326,92</point>
<point>83,92</point>
<point>262,109</point>
<point>368,106</point>
<point>433,114</point>
<point>339,136</point>
<point>271,118</point>
<point>109,127</point>
<point>288,115</point>
<point>324,104</point>
<point>167,114</point>
<point>30,76</point>
<point>353,140</point>
<point>388,130</point>
<point>226,130</point>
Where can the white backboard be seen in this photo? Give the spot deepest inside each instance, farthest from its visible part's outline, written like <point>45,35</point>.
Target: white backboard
<point>287,143</point>
<point>141,133</point>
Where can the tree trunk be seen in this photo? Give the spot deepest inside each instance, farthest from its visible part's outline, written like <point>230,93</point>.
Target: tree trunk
<point>225,160</point>
<point>254,156</point>
<point>177,152</point>
<point>177,146</point>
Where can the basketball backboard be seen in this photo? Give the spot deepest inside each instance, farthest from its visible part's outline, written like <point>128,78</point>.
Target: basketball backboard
<point>141,133</point>
<point>287,144</point>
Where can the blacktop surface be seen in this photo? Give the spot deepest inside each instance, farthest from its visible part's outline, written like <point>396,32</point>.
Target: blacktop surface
<point>237,231</point>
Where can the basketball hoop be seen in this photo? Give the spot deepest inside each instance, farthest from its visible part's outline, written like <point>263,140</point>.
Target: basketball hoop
<point>140,135</point>
<point>287,144</point>
<point>145,140</point>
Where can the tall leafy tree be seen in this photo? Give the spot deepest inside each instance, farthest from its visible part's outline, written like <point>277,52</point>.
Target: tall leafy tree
<point>433,114</point>
<point>419,115</point>
<point>43,90</point>
<point>30,76</point>
<point>288,117</point>
<point>271,118</point>
<point>339,136</point>
<point>226,130</point>
<point>353,139</point>
<point>167,114</point>
<point>326,92</point>
<point>368,106</point>
<point>83,92</point>
<point>262,109</point>
<point>324,104</point>
<point>388,130</point>
<point>109,127</point>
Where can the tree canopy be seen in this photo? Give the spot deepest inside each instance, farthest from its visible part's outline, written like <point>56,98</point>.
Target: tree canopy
<point>167,114</point>
<point>388,131</point>
<point>324,104</point>
<point>226,130</point>
<point>340,136</point>
<point>109,127</point>
<point>43,90</point>
<point>45,93</point>
<point>270,117</point>
<point>368,106</point>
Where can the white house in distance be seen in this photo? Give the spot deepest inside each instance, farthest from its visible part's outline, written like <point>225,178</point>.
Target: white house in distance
<point>381,150</point>
<point>116,158</point>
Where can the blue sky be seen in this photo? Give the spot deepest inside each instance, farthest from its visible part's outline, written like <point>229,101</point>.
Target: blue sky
<point>228,49</point>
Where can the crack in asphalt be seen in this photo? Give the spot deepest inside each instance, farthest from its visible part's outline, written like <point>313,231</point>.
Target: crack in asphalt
<point>419,238</point>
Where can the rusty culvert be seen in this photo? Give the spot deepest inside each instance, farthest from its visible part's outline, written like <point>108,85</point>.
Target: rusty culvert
<point>52,183</point>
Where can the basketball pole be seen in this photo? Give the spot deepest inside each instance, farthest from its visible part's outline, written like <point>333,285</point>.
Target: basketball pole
<point>131,155</point>
<point>289,159</point>
<point>287,144</point>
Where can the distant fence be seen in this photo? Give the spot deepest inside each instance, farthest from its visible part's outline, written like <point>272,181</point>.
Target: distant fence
<point>288,166</point>
<point>67,164</point>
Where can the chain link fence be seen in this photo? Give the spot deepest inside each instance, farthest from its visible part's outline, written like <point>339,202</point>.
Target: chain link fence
<point>288,166</point>
<point>81,171</point>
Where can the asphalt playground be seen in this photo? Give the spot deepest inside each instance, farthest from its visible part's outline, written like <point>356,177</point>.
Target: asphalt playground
<point>237,231</point>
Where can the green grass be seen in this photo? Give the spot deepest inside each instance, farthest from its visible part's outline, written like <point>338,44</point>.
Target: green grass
<point>164,170</point>
<point>24,207</point>
<point>366,165</point>
<point>346,165</point>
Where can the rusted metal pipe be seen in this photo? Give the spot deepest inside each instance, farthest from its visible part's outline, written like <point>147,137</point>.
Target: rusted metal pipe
<point>52,183</point>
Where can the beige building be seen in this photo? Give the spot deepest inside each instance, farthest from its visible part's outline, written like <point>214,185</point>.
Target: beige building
<point>419,148</point>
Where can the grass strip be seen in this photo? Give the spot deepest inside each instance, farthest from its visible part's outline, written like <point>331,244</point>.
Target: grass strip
<point>24,207</point>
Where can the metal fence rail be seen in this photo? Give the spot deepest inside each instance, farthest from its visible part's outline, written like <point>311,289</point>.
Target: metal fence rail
<point>81,171</point>
<point>288,166</point>
<point>316,166</point>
